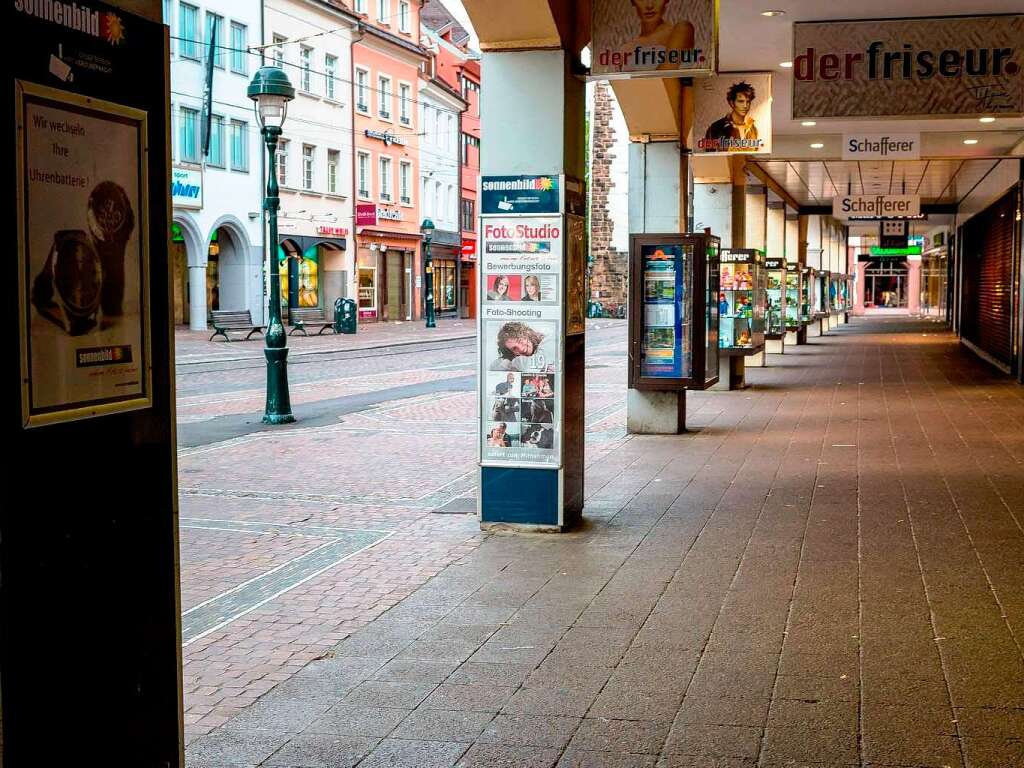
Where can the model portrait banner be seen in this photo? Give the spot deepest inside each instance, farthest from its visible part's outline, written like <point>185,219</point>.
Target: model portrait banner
<point>955,66</point>
<point>83,267</point>
<point>733,113</point>
<point>654,38</point>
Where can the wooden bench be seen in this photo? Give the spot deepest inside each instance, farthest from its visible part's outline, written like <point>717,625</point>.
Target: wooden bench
<point>300,318</point>
<point>232,320</point>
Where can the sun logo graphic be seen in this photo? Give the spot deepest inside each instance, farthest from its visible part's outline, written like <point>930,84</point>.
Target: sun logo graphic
<point>545,183</point>
<point>112,28</point>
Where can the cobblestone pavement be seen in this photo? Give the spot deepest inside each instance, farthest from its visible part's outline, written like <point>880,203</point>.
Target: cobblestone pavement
<point>292,537</point>
<point>828,572</point>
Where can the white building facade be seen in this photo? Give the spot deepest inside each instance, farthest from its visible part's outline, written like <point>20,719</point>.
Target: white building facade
<point>312,41</point>
<point>217,230</point>
<point>440,185</point>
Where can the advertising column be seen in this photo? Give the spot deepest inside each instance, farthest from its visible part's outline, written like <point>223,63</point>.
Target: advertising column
<point>531,255</point>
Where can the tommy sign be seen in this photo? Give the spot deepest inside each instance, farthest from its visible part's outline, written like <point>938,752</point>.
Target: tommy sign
<point>956,66</point>
<point>877,146</point>
<point>876,206</point>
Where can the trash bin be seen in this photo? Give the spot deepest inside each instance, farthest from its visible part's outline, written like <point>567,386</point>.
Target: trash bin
<point>344,316</point>
<point>594,308</point>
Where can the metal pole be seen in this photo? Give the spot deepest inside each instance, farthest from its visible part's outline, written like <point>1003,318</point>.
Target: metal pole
<point>279,407</point>
<point>429,269</point>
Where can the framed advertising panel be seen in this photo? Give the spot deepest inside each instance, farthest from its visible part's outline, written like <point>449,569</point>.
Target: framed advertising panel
<point>83,265</point>
<point>522,314</point>
<point>733,113</point>
<point>677,39</point>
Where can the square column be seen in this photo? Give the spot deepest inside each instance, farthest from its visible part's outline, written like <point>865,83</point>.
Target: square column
<point>531,380</point>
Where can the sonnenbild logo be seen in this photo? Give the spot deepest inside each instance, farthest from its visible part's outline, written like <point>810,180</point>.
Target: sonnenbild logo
<point>905,63</point>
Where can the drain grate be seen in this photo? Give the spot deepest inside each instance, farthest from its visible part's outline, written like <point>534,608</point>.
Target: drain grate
<point>464,505</point>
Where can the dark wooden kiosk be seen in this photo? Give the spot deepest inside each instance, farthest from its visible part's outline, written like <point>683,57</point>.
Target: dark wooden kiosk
<point>673,317</point>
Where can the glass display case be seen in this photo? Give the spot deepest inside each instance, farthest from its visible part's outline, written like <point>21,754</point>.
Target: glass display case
<point>822,307</point>
<point>673,311</point>
<point>808,295</point>
<point>741,301</point>
<point>775,301</point>
<point>835,293</point>
<point>796,287</point>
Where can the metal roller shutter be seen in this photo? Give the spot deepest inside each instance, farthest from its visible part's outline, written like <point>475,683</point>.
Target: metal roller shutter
<point>989,288</point>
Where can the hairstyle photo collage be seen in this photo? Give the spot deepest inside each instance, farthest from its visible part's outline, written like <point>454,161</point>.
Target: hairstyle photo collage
<point>520,411</point>
<point>522,287</point>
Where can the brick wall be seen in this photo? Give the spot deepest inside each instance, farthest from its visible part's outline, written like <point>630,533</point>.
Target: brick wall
<point>610,266</point>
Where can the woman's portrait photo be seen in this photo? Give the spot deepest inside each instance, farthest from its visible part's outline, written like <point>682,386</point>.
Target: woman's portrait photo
<point>503,287</point>
<point>531,288</point>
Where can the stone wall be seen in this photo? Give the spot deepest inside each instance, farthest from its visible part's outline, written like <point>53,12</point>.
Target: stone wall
<point>610,267</point>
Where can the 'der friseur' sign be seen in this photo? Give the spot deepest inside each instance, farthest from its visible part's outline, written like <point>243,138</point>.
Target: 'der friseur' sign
<point>661,39</point>
<point>963,66</point>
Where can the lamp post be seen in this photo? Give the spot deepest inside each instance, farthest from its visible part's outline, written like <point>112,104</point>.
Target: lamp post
<point>271,91</point>
<point>427,228</point>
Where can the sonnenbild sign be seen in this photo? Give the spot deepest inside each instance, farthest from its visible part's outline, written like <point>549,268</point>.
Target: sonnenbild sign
<point>952,66</point>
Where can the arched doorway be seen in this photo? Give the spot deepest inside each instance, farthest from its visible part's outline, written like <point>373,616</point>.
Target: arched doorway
<point>227,270</point>
<point>185,253</point>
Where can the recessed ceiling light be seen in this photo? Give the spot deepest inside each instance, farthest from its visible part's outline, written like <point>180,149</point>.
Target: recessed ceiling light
<point>986,119</point>
<point>808,123</point>
<point>817,145</point>
<point>970,141</point>
<point>773,13</point>
<point>786,64</point>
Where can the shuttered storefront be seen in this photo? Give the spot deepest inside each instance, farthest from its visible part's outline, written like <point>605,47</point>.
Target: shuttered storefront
<point>989,288</point>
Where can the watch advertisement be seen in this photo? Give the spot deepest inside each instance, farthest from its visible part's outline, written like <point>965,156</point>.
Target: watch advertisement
<point>520,330</point>
<point>81,233</point>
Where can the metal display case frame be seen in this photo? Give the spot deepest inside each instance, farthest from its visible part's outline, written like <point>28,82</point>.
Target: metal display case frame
<point>695,331</point>
<point>752,261</point>
<point>775,266</point>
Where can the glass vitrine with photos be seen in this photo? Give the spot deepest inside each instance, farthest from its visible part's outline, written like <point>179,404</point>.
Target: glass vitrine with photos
<point>775,298</point>
<point>741,301</point>
<point>822,307</point>
<point>796,286</point>
<point>673,329</point>
<point>808,295</point>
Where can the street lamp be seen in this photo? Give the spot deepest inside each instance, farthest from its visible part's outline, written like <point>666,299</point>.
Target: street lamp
<point>427,228</point>
<point>271,91</point>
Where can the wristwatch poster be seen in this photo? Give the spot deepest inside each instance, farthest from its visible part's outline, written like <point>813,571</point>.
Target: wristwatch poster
<point>82,244</point>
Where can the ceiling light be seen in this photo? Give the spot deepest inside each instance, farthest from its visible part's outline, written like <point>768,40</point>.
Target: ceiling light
<point>970,141</point>
<point>817,145</point>
<point>808,123</point>
<point>786,64</point>
<point>773,13</point>
<point>986,119</point>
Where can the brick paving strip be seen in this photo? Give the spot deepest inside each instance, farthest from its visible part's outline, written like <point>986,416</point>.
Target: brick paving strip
<point>217,612</point>
<point>827,573</point>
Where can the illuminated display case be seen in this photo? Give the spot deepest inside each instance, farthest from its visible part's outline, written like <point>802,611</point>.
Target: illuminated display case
<point>822,307</point>
<point>741,301</point>
<point>673,311</point>
<point>808,295</point>
<point>775,292</point>
<point>835,293</point>
<point>796,287</point>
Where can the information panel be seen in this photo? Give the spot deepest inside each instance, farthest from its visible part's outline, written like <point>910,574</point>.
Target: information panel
<point>521,315</point>
<point>665,344</point>
<point>82,230</point>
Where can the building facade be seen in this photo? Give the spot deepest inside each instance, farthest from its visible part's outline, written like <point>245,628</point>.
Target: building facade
<point>440,111</point>
<point>388,62</point>
<point>458,66</point>
<point>315,251</point>
<point>216,187</point>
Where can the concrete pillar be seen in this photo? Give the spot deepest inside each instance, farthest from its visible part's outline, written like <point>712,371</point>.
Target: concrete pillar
<point>775,248</point>
<point>755,217</point>
<point>533,109</point>
<point>655,185</point>
<point>197,298</point>
<point>858,307</point>
<point>914,286</point>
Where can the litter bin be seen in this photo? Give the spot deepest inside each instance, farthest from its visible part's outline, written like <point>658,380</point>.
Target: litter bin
<point>344,316</point>
<point>594,308</point>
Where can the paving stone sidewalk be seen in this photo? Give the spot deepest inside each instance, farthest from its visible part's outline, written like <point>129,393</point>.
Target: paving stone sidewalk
<point>828,572</point>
